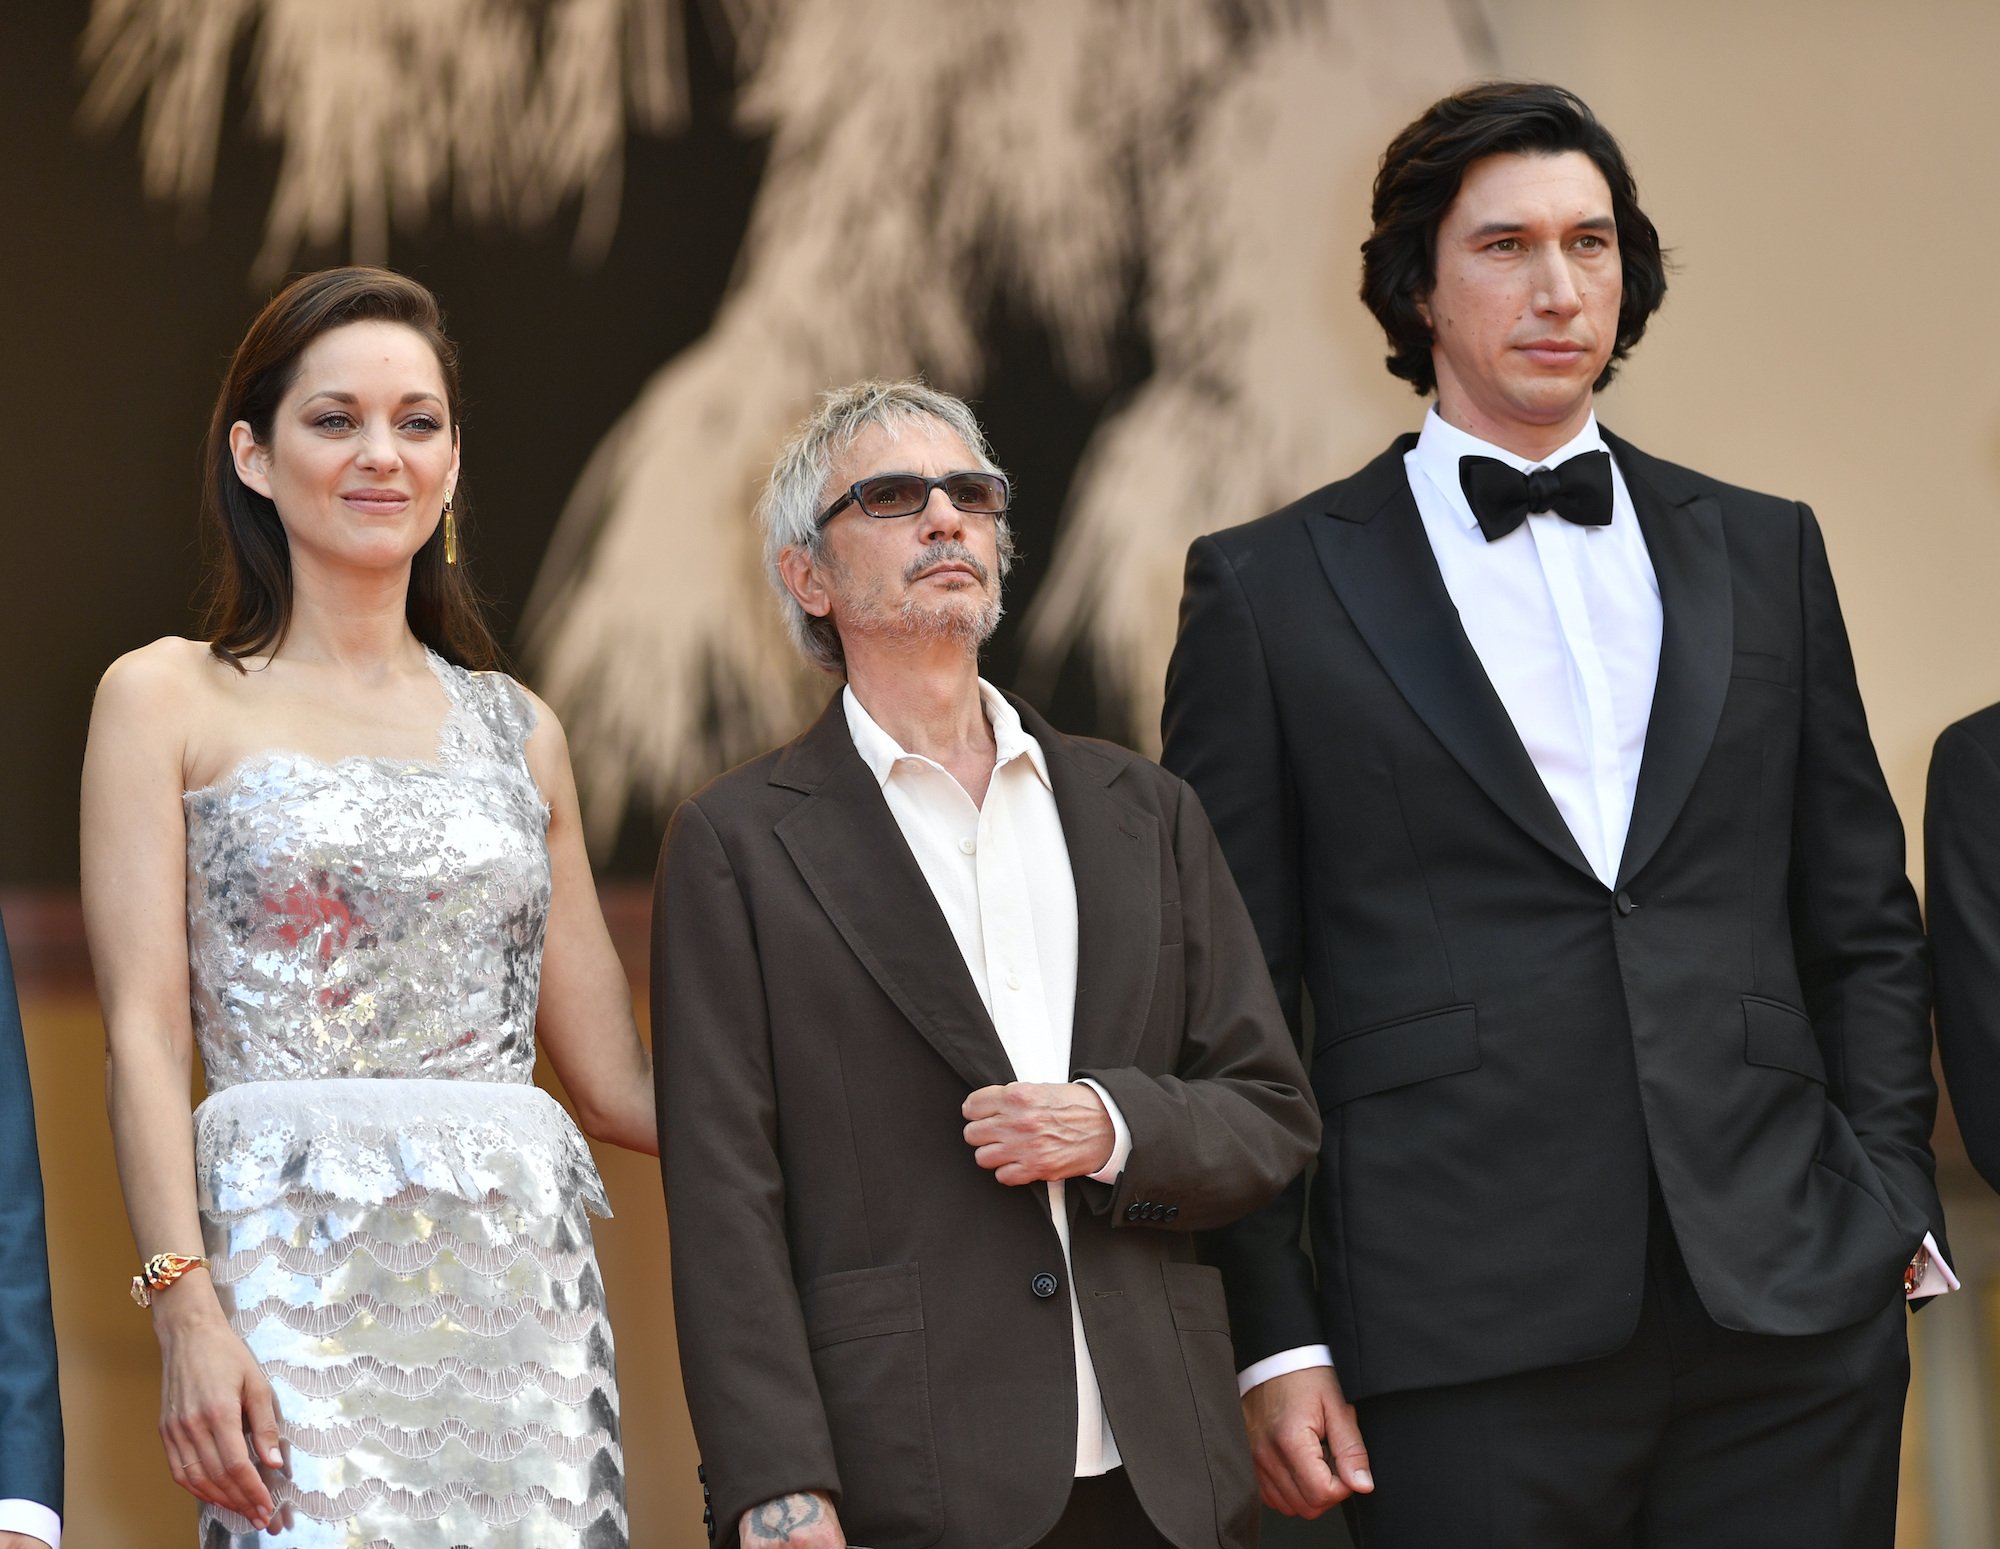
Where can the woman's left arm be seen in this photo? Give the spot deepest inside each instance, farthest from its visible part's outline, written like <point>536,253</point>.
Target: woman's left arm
<point>585,1020</point>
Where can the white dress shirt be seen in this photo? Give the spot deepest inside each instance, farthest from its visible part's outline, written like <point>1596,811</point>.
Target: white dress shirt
<point>1566,621</point>
<point>32,1518</point>
<point>1001,875</point>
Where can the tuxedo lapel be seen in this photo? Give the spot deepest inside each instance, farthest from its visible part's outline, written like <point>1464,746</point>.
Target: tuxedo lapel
<point>853,857</point>
<point>1375,553</point>
<point>1114,855</point>
<point>1697,638</point>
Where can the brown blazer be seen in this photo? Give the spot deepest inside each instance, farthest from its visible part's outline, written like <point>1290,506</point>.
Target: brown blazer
<point>861,1308</point>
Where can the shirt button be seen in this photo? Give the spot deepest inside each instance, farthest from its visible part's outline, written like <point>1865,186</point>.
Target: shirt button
<point>1625,904</point>
<point>966,846</point>
<point>1013,981</point>
<point>1045,1285</point>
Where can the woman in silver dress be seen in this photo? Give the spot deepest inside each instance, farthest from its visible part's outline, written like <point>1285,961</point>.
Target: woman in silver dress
<point>331,851</point>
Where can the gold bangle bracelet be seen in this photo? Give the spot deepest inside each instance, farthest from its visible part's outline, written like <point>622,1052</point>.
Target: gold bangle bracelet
<point>159,1272</point>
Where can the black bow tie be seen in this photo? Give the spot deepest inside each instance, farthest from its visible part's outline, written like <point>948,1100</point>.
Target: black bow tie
<point>1501,497</point>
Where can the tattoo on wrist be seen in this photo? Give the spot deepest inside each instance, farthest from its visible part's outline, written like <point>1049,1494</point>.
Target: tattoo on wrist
<point>773,1522</point>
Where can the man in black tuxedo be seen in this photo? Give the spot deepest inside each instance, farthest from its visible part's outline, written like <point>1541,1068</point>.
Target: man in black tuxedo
<point>1541,766</point>
<point>31,1438</point>
<point>1962,886</point>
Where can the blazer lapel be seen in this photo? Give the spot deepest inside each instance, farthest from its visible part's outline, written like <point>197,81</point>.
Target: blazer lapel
<point>1375,553</point>
<point>853,857</point>
<point>1697,639</point>
<point>1114,854</point>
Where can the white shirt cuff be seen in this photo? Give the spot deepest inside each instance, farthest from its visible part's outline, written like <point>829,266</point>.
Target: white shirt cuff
<point>1937,1278</point>
<point>1296,1359</point>
<point>1121,1135</point>
<point>32,1518</point>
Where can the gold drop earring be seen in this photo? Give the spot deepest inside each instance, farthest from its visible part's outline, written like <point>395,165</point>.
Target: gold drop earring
<point>450,532</point>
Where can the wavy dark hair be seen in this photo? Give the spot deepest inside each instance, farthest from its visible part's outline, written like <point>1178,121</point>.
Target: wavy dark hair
<point>249,595</point>
<point>1420,176</point>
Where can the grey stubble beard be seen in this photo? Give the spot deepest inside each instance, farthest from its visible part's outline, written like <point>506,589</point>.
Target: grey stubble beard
<point>917,621</point>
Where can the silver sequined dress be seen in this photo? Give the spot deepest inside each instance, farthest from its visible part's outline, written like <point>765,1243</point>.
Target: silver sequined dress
<point>396,1216</point>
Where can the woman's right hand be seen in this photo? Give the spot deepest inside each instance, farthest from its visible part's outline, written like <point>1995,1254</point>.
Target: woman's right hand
<point>215,1405</point>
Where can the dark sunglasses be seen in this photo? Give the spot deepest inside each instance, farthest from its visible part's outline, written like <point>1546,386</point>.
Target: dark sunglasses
<point>905,494</point>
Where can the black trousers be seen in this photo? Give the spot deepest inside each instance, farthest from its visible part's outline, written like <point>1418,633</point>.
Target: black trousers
<point>1691,1437</point>
<point>1103,1513</point>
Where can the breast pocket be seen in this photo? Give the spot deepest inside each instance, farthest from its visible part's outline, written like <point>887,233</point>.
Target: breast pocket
<point>865,1328</point>
<point>1763,667</point>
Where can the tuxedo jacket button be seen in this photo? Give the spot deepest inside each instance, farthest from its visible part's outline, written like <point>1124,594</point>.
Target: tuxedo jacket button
<point>1045,1285</point>
<point>1625,904</point>
<point>1172,1211</point>
<point>1134,1210</point>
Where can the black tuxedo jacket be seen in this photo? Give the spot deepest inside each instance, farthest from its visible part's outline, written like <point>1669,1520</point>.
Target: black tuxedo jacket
<point>1962,888</point>
<point>861,1308</point>
<point>31,1434</point>
<point>1502,1046</point>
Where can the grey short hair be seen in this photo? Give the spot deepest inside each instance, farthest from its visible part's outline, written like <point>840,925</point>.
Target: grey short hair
<point>796,492</point>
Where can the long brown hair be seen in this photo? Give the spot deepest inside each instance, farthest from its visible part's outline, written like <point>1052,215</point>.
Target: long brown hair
<point>249,604</point>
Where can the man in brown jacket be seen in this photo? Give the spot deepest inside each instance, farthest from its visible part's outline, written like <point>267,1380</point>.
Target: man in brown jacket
<point>964,1032</point>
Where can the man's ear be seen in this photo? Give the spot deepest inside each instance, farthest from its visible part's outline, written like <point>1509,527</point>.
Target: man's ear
<point>253,462</point>
<point>1423,305</point>
<point>803,578</point>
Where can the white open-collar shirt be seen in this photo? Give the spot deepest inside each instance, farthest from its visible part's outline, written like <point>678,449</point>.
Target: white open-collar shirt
<point>1001,875</point>
<point>1566,620</point>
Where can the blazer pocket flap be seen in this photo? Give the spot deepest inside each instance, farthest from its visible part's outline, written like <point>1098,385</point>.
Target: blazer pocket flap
<point>1762,666</point>
<point>1194,1295</point>
<point>1392,1054</point>
<point>861,1303</point>
<point>1779,1037</point>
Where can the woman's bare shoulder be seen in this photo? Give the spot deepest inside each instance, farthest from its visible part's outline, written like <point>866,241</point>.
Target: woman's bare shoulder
<point>165,679</point>
<point>548,745</point>
<point>543,717</point>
